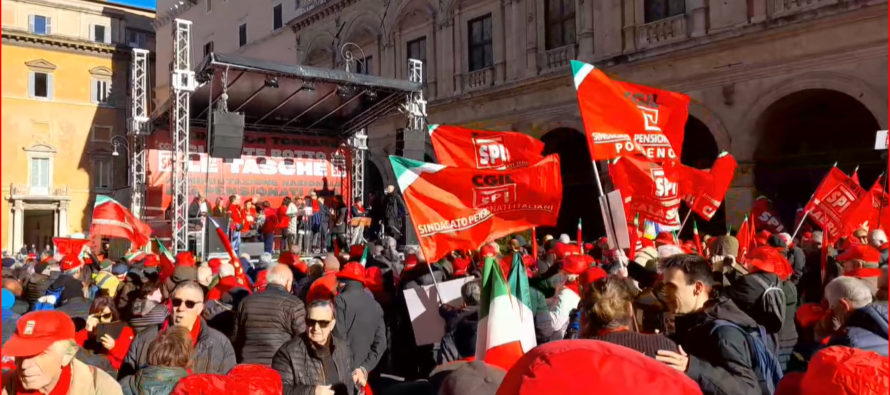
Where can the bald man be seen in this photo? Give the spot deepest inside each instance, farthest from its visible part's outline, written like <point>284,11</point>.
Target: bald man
<point>268,319</point>
<point>20,307</point>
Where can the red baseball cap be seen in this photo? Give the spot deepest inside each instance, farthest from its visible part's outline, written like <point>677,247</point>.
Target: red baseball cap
<point>214,265</point>
<point>352,271</point>
<point>574,264</point>
<point>286,258</point>
<point>151,260</point>
<point>860,252</point>
<point>37,331</point>
<point>374,279</point>
<point>460,266</point>
<point>591,275</point>
<point>185,258</point>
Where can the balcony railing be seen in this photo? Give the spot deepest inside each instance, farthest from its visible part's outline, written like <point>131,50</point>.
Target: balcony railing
<point>555,59</point>
<point>479,79</point>
<point>784,7</point>
<point>307,6</point>
<point>25,190</point>
<point>662,32</point>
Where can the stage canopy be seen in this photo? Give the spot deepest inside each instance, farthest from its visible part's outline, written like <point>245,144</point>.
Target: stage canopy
<point>301,100</point>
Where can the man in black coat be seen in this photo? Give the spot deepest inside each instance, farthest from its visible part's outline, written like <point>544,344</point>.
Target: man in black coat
<point>394,211</point>
<point>359,321</point>
<point>268,319</point>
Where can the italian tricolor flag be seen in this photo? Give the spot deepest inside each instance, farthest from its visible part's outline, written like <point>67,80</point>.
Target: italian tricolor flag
<point>506,325</point>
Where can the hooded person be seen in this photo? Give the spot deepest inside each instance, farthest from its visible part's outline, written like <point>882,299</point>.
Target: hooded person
<point>73,300</point>
<point>147,309</point>
<point>359,322</point>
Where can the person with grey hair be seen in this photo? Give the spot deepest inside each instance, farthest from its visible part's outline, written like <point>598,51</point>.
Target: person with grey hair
<point>854,319</point>
<point>269,319</point>
<point>878,239</point>
<point>214,352</point>
<point>461,325</point>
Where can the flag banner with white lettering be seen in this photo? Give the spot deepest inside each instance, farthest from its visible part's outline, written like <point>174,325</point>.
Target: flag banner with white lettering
<point>649,189</point>
<point>456,208</point>
<point>624,119</point>
<point>765,218</point>
<point>870,212</point>
<point>704,190</point>
<point>479,149</point>
<point>835,196</point>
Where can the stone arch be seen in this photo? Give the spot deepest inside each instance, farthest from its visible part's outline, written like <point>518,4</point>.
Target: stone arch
<point>41,148</point>
<point>323,42</point>
<point>362,25</point>
<point>374,179</point>
<point>101,71</point>
<point>405,9</point>
<point>714,124</point>
<point>538,130</point>
<point>579,190</point>
<point>383,167</point>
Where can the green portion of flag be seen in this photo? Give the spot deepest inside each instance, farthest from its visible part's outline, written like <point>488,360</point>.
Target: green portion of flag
<point>365,257</point>
<point>493,285</point>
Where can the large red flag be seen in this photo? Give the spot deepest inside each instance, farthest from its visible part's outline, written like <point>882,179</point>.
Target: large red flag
<point>649,189</point>
<point>622,119</point>
<point>111,219</point>
<point>484,150</point>
<point>765,218</point>
<point>704,190</point>
<point>869,212</point>
<point>837,194</point>
<point>460,208</point>
<point>70,246</point>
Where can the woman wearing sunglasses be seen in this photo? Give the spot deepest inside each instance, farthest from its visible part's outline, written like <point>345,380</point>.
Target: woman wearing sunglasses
<point>106,339</point>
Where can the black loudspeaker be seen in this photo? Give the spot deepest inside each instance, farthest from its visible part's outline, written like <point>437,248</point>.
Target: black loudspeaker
<point>253,249</point>
<point>227,135</point>
<point>214,244</point>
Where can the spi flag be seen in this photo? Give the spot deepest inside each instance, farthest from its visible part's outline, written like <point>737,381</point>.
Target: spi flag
<point>837,194</point>
<point>456,208</point>
<point>869,212</point>
<point>765,218</point>
<point>506,328</point>
<point>621,118</point>
<point>649,189</point>
<point>704,190</point>
<point>484,150</point>
<point>111,219</point>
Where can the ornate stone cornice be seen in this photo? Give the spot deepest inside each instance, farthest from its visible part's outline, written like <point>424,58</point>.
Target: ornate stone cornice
<point>16,37</point>
<point>334,8</point>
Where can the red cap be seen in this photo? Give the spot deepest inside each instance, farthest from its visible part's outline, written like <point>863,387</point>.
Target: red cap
<point>70,262</point>
<point>410,262</point>
<point>588,247</point>
<point>352,271</point>
<point>185,259</point>
<point>151,260</point>
<point>864,272</point>
<point>488,251</point>
<point>762,237</point>
<point>214,265</point>
<point>36,331</point>
<point>374,279</point>
<point>460,266</point>
<point>860,252</point>
<point>846,371</point>
<point>770,260</point>
<point>574,264</point>
<point>286,258</point>
<point>591,275</point>
<point>301,266</point>
<point>809,314</point>
<point>665,238</point>
<point>807,236</point>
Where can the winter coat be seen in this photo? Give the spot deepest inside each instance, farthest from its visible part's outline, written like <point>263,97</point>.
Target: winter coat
<point>340,217</point>
<point>360,323</point>
<point>84,380</point>
<point>539,307</point>
<point>291,215</point>
<point>561,306</point>
<point>720,362</point>
<point>266,321</point>
<point>78,308</point>
<point>420,276</point>
<point>866,329</point>
<point>798,261</point>
<point>153,380</point>
<point>213,353</point>
<point>302,369</point>
<point>302,288</point>
<point>148,313</point>
<point>10,320</point>
<point>461,328</point>
<point>221,314</point>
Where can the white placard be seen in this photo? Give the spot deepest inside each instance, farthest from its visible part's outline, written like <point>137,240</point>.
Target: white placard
<point>423,308</point>
<point>881,140</point>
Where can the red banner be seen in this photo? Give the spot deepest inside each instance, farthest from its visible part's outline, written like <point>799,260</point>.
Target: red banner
<point>456,208</point>
<point>622,119</point>
<point>110,219</point>
<point>837,194</point>
<point>483,150</point>
<point>765,218</point>
<point>704,190</point>
<point>272,166</point>
<point>870,212</point>
<point>649,189</point>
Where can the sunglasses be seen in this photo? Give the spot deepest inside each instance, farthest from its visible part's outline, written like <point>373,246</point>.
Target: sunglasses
<point>105,316</point>
<point>189,304</point>
<point>321,324</point>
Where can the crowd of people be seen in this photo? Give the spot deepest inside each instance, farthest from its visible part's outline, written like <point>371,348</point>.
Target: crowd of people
<point>767,318</point>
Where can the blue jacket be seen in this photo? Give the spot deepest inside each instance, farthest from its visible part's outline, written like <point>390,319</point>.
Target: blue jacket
<point>10,320</point>
<point>867,329</point>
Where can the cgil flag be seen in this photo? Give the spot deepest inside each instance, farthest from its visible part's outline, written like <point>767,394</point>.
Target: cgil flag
<point>506,329</point>
<point>111,219</point>
<point>624,119</point>
<point>484,150</point>
<point>455,208</point>
<point>650,190</point>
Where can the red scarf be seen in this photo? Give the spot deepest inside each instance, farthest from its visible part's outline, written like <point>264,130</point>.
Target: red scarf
<point>358,206</point>
<point>315,206</point>
<point>863,272</point>
<point>605,332</point>
<point>62,386</point>
<point>196,331</point>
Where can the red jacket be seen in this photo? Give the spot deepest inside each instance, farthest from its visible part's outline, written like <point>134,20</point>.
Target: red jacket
<point>271,224</point>
<point>283,219</point>
<point>235,214</point>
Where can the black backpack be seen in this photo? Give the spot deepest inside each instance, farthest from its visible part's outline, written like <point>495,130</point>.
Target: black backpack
<point>769,311</point>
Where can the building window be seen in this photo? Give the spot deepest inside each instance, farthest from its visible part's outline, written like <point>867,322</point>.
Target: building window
<point>242,35</point>
<point>560,17</point>
<point>209,5</point>
<point>363,66</point>
<point>481,49</point>
<point>100,34</point>
<point>656,10</point>
<point>208,48</point>
<point>100,91</point>
<point>40,85</point>
<point>136,39</point>
<point>417,49</point>
<point>277,17</point>
<point>102,134</point>
<point>40,176</point>
<point>39,24</point>
<point>102,174</point>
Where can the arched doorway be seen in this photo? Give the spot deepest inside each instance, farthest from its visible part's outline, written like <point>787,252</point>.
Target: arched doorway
<point>579,192</point>
<point>373,180</point>
<point>700,151</point>
<point>802,135</point>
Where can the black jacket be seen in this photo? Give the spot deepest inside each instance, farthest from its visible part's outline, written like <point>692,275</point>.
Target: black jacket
<point>302,369</point>
<point>461,328</point>
<point>798,261</point>
<point>340,216</point>
<point>78,309</point>
<point>420,276</point>
<point>266,321</point>
<point>720,362</point>
<point>213,353</point>
<point>866,329</point>
<point>360,323</point>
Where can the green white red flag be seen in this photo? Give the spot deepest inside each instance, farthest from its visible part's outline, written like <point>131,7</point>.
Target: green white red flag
<point>506,329</point>
<point>624,119</point>
<point>484,150</point>
<point>111,219</point>
<point>167,267</point>
<point>455,208</point>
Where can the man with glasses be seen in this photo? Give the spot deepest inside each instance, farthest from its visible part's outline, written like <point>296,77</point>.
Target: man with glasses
<point>213,351</point>
<point>316,362</point>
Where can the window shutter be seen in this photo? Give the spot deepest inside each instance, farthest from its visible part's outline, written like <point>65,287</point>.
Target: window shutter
<point>94,97</point>
<point>31,23</point>
<point>31,83</point>
<point>50,86</point>
<point>49,24</point>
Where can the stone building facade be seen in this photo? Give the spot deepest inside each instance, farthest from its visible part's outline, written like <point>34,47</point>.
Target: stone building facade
<point>787,86</point>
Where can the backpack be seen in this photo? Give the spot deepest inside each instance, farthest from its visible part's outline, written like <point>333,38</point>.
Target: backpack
<point>49,300</point>
<point>765,363</point>
<point>770,307</point>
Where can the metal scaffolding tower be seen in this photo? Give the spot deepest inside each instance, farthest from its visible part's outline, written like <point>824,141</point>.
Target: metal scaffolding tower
<point>415,106</point>
<point>182,82</point>
<point>138,128</point>
<point>359,145</point>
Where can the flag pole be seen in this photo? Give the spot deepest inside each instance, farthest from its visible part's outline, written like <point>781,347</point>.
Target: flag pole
<point>800,225</point>
<point>883,192</point>
<point>599,183</point>
<point>683,225</point>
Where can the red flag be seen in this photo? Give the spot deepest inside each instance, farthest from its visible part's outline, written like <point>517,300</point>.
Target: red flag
<point>764,217</point>
<point>69,246</point>
<point>235,261</point>
<point>835,196</point>
<point>484,150</point>
<point>625,119</point>
<point>869,212</point>
<point>744,237</point>
<point>111,219</point>
<point>649,189</point>
<point>704,190</point>
<point>461,208</point>
<point>855,176</point>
